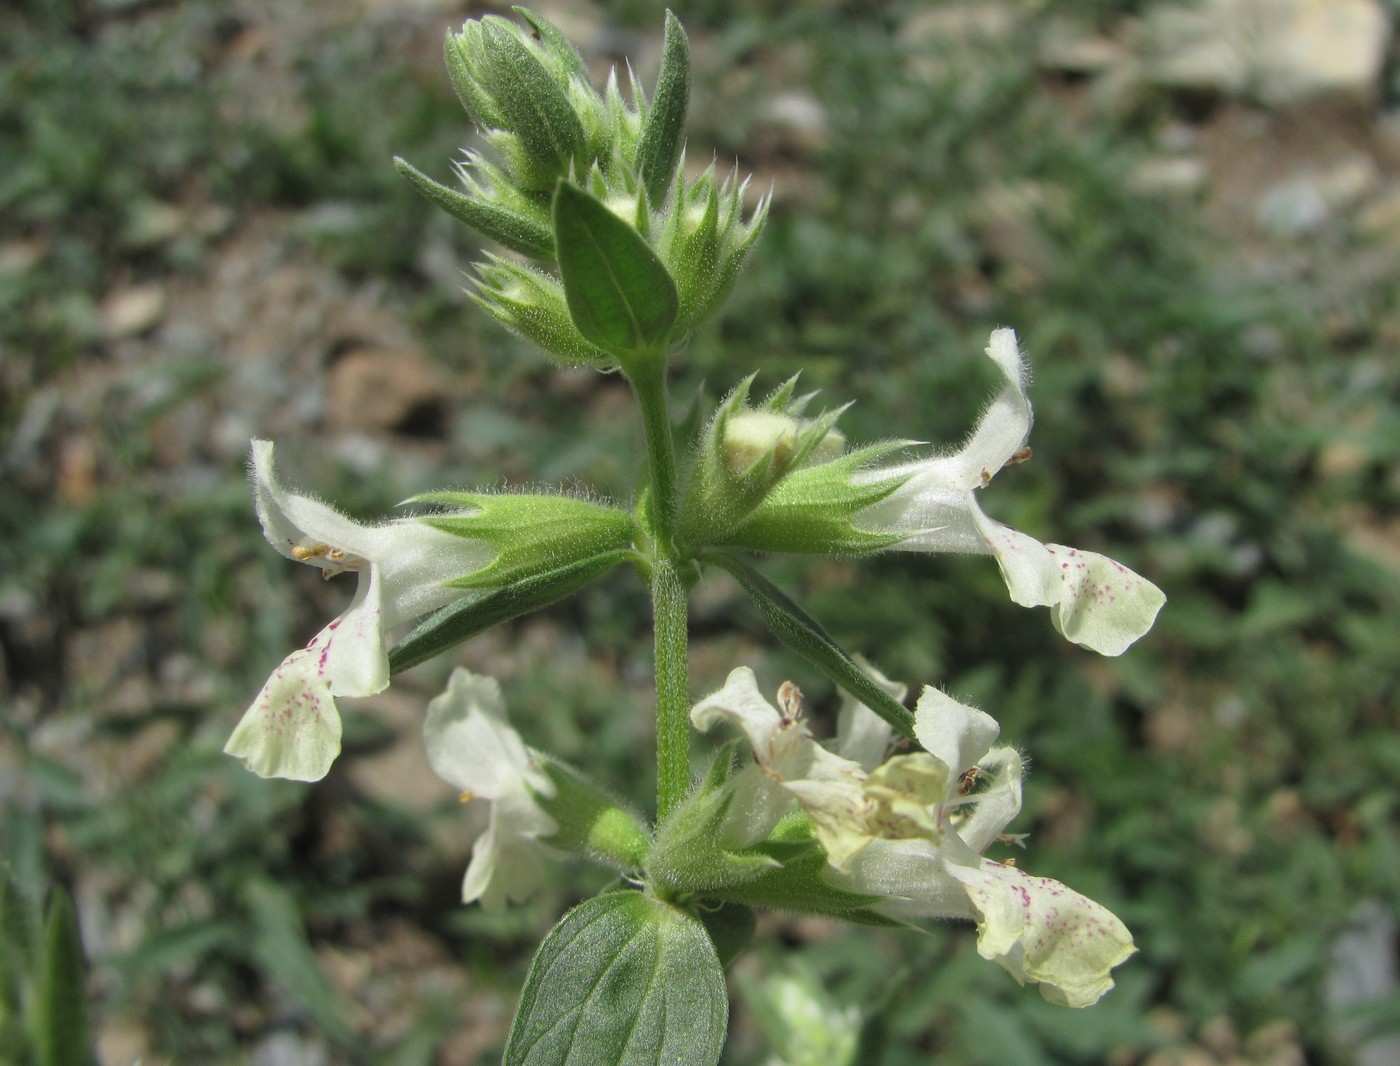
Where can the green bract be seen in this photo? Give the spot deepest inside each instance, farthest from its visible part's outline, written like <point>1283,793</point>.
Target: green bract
<point>528,90</point>
<point>591,821</point>
<point>813,510</point>
<point>517,89</point>
<point>531,534</point>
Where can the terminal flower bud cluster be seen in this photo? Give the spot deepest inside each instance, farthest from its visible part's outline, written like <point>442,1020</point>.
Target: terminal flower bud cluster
<point>528,90</point>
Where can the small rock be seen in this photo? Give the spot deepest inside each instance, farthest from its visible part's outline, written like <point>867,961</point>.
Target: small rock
<point>1322,47</point>
<point>1283,50</point>
<point>394,389</point>
<point>1196,46</point>
<point>1309,200</point>
<point>1293,208</point>
<point>1065,47</point>
<point>133,311</point>
<point>18,257</point>
<point>793,121</point>
<point>1380,219</point>
<point>288,1049</point>
<point>122,1042</point>
<point>1364,971</point>
<point>1184,176</point>
<point>400,774</point>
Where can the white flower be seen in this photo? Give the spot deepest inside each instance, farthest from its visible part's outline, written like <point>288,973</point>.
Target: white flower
<point>1096,601</point>
<point>913,830</point>
<point>473,747</point>
<point>293,728</point>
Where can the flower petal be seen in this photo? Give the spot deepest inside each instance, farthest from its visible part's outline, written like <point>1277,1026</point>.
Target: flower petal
<point>355,662</point>
<point>1041,931</point>
<point>991,810</point>
<point>292,729</point>
<point>1095,601</point>
<point>862,736</point>
<point>827,786</point>
<point>952,732</point>
<point>505,866</point>
<point>289,519</point>
<point>910,874</point>
<point>740,703</point>
<point>1006,423</point>
<point>472,745</point>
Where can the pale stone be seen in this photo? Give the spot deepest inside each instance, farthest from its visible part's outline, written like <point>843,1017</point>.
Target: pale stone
<point>1183,176</point>
<point>394,389</point>
<point>1364,971</point>
<point>1281,50</point>
<point>133,311</point>
<point>798,119</point>
<point>1380,218</point>
<point>1323,46</point>
<point>1310,199</point>
<point>1066,47</point>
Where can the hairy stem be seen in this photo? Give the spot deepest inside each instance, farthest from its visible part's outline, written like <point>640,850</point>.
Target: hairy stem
<point>668,590</point>
<point>669,601</point>
<point>648,380</point>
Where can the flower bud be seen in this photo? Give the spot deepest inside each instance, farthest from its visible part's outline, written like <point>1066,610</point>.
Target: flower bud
<point>746,451</point>
<point>525,91</point>
<point>705,240</point>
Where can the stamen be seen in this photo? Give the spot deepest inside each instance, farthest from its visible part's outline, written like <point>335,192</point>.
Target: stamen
<point>790,702</point>
<point>1021,455</point>
<point>466,797</point>
<point>304,553</point>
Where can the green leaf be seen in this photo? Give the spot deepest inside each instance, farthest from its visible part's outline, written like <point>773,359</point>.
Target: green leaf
<point>663,133</point>
<point>514,230</point>
<point>460,621</point>
<point>622,979</point>
<point>805,635</point>
<point>59,1012</point>
<point>619,294</point>
<point>280,945</point>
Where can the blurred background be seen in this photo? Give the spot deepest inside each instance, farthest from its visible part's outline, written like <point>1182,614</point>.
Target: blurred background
<point>1190,212</point>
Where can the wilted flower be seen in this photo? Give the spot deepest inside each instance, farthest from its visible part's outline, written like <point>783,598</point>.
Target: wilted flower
<point>1095,601</point>
<point>913,830</point>
<point>293,728</point>
<point>473,747</point>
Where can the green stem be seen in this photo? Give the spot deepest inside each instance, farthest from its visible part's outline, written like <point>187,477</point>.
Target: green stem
<point>668,590</point>
<point>647,377</point>
<point>669,601</point>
